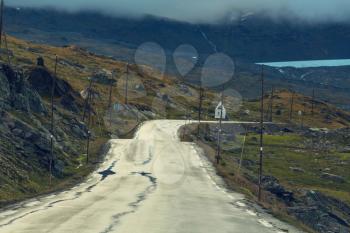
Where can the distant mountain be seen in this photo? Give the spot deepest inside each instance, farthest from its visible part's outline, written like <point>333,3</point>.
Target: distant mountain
<point>252,38</point>
<point>248,40</point>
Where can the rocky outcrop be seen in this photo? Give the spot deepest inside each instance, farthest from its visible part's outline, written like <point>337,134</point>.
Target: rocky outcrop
<point>322,213</point>
<point>15,92</point>
<point>332,177</point>
<point>25,137</point>
<point>272,185</point>
<point>41,80</point>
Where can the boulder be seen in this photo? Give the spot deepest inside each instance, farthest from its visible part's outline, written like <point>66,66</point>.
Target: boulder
<point>69,103</point>
<point>297,169</point>
<point>332,177</point>
<point>345,149</point>
<point>272,185</point>
<point>322,213</point>
<point>40,61</point>
<point>41,80</point>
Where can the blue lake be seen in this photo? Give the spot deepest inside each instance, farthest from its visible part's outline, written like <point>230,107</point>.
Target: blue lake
<point>310,63</point>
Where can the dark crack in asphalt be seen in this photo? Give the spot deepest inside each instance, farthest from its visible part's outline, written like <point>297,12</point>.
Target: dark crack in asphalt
<point>150,157</point>
<point>77,195</point>
<point>108,171</point>
<point>136,204</point>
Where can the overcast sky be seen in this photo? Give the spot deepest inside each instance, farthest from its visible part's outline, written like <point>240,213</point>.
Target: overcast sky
<point>205,11</point>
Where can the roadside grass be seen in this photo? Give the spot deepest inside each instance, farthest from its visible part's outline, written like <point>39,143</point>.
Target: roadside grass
<point>282,153</point>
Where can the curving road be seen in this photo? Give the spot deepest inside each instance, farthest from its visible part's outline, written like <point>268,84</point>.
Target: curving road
<point>152,183</point>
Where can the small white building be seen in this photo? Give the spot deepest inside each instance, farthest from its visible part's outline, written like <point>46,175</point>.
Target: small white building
<point>220,108</point>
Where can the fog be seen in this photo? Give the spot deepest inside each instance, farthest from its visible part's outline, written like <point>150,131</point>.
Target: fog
<point>206,11</point>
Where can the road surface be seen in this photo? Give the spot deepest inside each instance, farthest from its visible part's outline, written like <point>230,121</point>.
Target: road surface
<point>152,183</point>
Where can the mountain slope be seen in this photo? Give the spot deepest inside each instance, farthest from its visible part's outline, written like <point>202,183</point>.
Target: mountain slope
<point>254,39</point>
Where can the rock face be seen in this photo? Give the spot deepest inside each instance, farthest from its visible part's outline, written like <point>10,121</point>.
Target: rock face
<point>41,80</point>
<point>316,210</point>
<point>272,185</point>
<point>16,93</point>
<point>25,142</point>
<point>322,213</point>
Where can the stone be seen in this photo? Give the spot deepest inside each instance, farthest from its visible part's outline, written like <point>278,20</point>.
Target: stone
<point>68,102</point>
<point>40,61</point>
<point>17,132</point>
<point>297,169</point>
<point>287,130</point>
<point>41,80</point>
<point>332,177</point>
<point>272,185</point>
<point>345,149</point>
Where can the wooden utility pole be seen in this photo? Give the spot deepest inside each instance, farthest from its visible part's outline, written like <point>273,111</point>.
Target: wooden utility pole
<point>86,105</point>
<point>200,106</point>
<point>53,87</point>
<point>270,109</point>
<point>313,102</point>
<point>218,151</point>
<point>110,99</point>
<point>111,91</point>
<point>127,84</point>
<point>261,133</point>
<point>1,22</point>
<point>291,106</point>
<point>88,125</point>
<point>3,34</point>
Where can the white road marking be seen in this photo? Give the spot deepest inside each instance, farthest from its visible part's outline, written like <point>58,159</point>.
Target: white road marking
<point>265,223</point>
<point>240,204</point>
<point>252,213</point>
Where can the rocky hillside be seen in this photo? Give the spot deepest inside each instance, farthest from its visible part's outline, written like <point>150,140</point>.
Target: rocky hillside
<point>25,90</point>
<point>251,40</point>
<point>25,100</point>
<point>25,132</point>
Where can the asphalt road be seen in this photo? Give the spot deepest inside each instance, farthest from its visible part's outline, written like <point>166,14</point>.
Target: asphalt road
<point>152,183</point>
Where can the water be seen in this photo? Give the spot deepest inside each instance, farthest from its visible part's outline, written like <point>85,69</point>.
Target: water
<point>310,63</point>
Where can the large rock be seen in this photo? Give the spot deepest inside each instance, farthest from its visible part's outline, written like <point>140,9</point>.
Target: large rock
<point>272,185</point>
<point>332,177</point>
<point>69,103</point>
<point>322,213</point>
<point>41,80</point>
<point>16,93</point>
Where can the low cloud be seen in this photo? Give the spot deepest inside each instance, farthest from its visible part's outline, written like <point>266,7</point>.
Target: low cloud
<point>207,11</point>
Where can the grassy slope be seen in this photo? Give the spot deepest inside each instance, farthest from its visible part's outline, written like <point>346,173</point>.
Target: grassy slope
<point>283,151</point>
